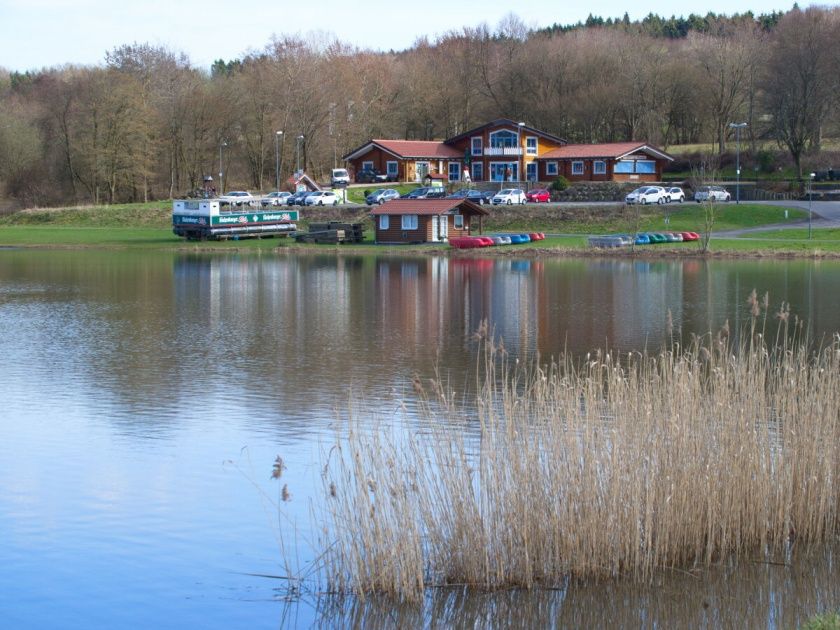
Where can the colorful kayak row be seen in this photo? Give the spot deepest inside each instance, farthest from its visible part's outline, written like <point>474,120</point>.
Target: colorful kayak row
<point>473,242</point>
<point>642,238</point>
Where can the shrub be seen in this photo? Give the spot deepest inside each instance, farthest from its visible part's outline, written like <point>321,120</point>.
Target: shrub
<point>560,183</point>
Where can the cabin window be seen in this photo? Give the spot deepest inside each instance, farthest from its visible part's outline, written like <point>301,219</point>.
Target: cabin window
<point>384,222</point>
<point>577,168</point>
<point>599,167</point>
<point>392,168</point>
<point>531,145</point>
<point>503,138</point>
<point>477,171</point>
<point>454,171</point>
<point>458,221</point>
<point>367,164</point>
<point>409,222</point>
<point>635,166</point>
<point>551,168</point>
<point>475,145</point>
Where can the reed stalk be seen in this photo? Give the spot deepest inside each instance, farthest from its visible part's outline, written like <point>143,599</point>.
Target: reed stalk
<point>607,466</point>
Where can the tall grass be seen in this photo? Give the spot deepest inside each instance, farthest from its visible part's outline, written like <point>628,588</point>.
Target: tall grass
<point>601,467</point>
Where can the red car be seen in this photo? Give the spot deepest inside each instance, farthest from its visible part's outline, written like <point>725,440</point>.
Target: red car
<point>538,195</point>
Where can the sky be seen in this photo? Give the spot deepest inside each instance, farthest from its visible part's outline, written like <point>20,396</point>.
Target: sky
<point>35,34</point>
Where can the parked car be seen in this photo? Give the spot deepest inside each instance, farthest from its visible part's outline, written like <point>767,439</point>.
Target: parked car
<point>427,192</point>
<point>476,196</point>
<point>277,198</point>
<point>370,176</point>
<point>538,195</point>
<point>321,198</point>
<point>237,198</point>
<point>294,200</point>
<point>646,194</point>
<point>711,193</point>
<point>340,177</point>
<point>675,193</point>
<point>509,196</point>
<point>381,195</point>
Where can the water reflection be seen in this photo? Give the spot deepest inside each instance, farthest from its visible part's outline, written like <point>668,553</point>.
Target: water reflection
<point>750,594</point>
<point>130,377</point>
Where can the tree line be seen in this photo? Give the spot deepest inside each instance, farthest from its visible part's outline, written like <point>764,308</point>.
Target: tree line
<point>147,124</point>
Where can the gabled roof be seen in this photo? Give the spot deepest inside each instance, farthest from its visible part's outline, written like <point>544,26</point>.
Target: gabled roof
<point>614,150</point>
<point>402,149</point>
<point>427,207</point>
<point>506,122</point>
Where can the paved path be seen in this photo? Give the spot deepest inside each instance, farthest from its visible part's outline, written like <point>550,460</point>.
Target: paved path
<point>824,214</point>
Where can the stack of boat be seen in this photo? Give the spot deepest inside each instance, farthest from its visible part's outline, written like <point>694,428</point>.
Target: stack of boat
<point>642,238</point>
<point>473,242</point>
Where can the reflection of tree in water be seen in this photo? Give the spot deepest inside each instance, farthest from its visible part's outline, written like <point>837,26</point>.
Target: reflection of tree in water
<point>752,594</point>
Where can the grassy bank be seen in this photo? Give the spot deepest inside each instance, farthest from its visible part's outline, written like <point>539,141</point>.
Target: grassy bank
<point>147,226</point>
<point>606,467</point>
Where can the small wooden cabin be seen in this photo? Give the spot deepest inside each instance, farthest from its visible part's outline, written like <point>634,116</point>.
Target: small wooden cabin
<point>404,221</point>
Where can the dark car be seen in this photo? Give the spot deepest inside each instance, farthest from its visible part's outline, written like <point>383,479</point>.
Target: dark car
<point>427,192</point>
<point>370,176</point>
<point>299,198</point>
<point>476,196</point>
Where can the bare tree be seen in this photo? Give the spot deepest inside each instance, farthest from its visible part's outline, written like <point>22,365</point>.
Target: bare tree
<point>801,79</point>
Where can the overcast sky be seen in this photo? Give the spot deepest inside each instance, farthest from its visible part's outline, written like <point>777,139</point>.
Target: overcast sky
<point>43,33</point>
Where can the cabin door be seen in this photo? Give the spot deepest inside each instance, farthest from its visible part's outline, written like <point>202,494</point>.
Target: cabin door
<point>435,228</point>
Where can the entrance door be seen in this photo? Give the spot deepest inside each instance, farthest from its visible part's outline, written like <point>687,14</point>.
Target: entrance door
<point>443,224</point>
<point>504,171</point>
<point>434,228</point>
<point>421,171</point>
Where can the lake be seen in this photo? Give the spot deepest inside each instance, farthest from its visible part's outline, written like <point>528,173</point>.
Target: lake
<point>146,396</point>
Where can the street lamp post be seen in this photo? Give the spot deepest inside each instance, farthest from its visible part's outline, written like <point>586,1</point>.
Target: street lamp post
<point>810,197</point>
<point>737,127</point>
<point>222,145</point>
<point>519,144</point>
<point>298,140</point>
<point>277,136</point>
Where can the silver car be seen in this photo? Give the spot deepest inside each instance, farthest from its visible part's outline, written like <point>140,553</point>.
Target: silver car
<point>712,193</point>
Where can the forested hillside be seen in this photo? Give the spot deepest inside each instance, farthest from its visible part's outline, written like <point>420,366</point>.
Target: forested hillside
<point>148,124</point>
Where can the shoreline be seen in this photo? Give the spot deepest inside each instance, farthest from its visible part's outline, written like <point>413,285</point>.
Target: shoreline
<point>639,253</point>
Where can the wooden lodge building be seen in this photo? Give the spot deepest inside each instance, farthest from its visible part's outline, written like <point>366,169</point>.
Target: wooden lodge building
<point>503,150</point>
<point>424,220</point>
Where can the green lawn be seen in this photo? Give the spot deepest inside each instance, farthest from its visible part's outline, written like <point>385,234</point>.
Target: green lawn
<point>357,195</point>
<point>147,226</point>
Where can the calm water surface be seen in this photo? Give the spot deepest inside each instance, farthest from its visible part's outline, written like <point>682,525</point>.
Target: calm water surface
<point>145,397</point>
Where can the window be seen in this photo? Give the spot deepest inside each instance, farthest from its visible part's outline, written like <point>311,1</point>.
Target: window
<point>367,164</point>
<point>503,138</point>
<point>531,145</point>
<point>577,168</point>
<point>531,171</point>
<point>551,168</point>
<point>392,168</point>
<point>454,171</point>
<point>475,147</point>
<point>599,167</point>
<point>477,171</point>
<point>458,220</point>
<point>635,166</point>
<point>384,222</point>
<point>409,222</point>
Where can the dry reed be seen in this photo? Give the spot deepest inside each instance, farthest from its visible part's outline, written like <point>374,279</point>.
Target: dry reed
<point>602,467</point>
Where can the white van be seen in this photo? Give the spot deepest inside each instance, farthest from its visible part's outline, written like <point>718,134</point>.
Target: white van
<point>340,177</point>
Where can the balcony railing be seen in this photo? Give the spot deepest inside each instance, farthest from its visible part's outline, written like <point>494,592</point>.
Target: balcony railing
<point>506,151</point>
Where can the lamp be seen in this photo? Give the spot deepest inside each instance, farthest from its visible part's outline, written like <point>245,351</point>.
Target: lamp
<point>737,127</point>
